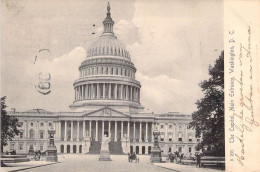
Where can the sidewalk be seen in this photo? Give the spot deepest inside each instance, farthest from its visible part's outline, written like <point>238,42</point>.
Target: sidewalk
<point>25,165</point>
<point>184,168</point>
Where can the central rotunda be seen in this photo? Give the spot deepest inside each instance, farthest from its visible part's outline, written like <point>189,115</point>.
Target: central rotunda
<point>107,76</point>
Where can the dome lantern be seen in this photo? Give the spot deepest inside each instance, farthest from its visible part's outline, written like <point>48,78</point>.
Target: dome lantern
<point>108,22</point>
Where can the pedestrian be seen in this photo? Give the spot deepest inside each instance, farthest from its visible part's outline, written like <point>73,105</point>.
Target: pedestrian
<point>198,156</point>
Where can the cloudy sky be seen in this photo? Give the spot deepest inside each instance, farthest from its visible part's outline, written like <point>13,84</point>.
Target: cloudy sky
<point>171,42</point>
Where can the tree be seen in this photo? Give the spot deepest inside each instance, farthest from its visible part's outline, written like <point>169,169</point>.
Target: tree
<point>9,125</point>
<point>208,120</point>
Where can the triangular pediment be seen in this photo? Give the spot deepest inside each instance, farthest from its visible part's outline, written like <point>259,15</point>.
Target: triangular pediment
<point>106,112</point>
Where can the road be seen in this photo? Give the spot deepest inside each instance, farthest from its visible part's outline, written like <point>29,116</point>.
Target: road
<point>90,163</point>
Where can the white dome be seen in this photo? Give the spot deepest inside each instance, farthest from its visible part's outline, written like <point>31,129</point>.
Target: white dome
<point>108,45</point>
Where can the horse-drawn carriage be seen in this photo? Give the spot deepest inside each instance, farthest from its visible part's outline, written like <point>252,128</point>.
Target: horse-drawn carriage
<point>133,157</point>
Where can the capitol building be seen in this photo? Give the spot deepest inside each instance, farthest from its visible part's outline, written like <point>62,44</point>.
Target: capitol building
<point>107,101</point>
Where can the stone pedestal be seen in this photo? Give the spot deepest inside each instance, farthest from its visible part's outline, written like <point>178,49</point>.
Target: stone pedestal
<point>86,145</point>
<point>156,155</point>
<point>104,152</point>
<point>125,145</point>
<point>156,151</point>
<point>104,155</point>
<point>51,152</point>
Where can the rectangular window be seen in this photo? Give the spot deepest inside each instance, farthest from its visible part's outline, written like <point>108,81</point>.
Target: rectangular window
<point>50,124</point>
<point>189,149</point>
<point>180,139</point>
<point>170,126</point>
<point>20,146</point>
<point>21,134</point>
<point>162,126</point>
<point>41,135</point>
<point>42,124</point>
<point>12,146</point>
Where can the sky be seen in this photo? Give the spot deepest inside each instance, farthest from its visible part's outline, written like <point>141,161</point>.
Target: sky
<point>171,43</point>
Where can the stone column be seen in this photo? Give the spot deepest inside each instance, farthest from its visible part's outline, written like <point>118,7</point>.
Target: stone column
<point>134,133</point>
<point>140,136</point>
<point>84,129</point>
<point>75,93</point>
<point>59,130</point>
<point>176,132</point>
<point>122,129</point>
<point>87,93</point>
<point>46,129</point>
<point>128,129</point>
<point>152,131</point>
<point>127,96</point>
<point>72,128</point>
<point>109,91</point>
<point>98,93</point>
<point>90,129</point>
<point>78,92</point>
<point>82,92</point>
<point>115,91</point>
<point>115,130</point>
<point>103,126</point>
<point>65,131</point>
<point>77,130</point>
<point>166,131</point>
<point>104,91</point>
<point>146,132</point>
<point>37,131</point>
<point>131,91</point>
<point>92,91</point>
<point>122,91</point>
<point>96,139</point>
<point>109,125</point>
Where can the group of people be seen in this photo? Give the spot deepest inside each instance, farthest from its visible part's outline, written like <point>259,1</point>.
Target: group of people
<point>178,157</point>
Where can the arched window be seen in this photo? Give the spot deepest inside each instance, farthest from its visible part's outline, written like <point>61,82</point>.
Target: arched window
<point>112,70</point>
<point>21,133</point>
<point>92,71</point>
<point>170,136</point>
<point>106,70</point>
<point>190,137</point>
<point>32,134</point>
<point>116,71</point>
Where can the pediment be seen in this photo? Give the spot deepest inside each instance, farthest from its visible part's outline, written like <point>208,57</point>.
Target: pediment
<point>106,112</point>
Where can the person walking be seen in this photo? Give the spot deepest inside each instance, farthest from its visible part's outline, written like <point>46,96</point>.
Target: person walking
<point>198,156</point>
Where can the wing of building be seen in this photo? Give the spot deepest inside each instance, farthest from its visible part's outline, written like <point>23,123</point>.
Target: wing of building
<point>107,100</point>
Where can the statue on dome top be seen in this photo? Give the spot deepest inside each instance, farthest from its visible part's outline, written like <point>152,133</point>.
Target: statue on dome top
<point>108,7</point>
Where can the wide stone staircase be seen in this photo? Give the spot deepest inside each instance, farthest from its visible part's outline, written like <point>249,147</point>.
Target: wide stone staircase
<point>94,147</point>
<point>115,148</point>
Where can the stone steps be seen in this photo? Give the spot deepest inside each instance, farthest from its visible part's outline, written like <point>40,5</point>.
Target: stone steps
<point>14,158</point>
<point>115,148</point>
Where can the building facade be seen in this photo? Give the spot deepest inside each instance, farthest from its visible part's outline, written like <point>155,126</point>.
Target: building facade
<point>107,101</point>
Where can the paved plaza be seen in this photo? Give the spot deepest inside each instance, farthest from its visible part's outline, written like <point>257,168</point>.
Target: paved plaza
<point>90,163</point>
